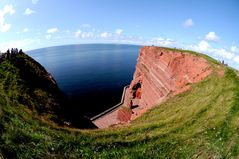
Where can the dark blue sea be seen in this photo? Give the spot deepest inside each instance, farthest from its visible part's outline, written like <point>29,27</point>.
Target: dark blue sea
<point>91,75</point>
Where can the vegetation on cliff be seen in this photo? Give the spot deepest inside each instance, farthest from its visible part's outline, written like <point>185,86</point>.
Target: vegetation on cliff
<point>24,83</point>
<point>199,123</point>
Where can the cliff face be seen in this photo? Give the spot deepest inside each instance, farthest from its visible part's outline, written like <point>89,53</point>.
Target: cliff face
<point>25,83</point>
<point>161,73</point>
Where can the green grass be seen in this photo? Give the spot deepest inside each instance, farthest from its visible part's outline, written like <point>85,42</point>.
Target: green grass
<point>210,59</point>
<point>200,123</point>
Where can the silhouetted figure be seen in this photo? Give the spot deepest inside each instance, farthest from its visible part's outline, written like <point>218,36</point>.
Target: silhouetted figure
<point>1,56</point>
<point>20,51</point>
<point>7,54</point>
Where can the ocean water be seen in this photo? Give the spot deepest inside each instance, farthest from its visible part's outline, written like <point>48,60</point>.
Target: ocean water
<point>91,75</point>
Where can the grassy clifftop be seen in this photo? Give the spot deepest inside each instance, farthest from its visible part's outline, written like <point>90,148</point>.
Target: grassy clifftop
<point>24,83</point>
<point>199,123</point>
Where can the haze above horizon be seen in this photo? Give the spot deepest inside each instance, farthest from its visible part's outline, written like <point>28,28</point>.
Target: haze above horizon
<point>209,27</point>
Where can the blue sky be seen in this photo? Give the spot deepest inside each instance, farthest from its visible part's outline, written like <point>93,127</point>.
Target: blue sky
<point>207,26</point>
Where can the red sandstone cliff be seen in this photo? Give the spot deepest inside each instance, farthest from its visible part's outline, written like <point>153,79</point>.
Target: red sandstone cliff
<point>162,72</point>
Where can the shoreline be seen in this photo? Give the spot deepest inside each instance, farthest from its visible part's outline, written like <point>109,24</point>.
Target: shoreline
<point>109,116</point>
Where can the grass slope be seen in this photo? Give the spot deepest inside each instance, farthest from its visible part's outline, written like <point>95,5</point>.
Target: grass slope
<point>200,123</point>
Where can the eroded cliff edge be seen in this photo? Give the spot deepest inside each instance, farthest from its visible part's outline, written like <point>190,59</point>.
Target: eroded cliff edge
<point>160,73</point>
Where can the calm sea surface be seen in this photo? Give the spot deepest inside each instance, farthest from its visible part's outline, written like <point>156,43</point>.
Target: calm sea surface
<point>92,75</point>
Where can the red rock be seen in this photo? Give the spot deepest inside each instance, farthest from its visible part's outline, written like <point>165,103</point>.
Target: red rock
<point>159,73</point>
<point>124,114</point>
<point>163,72</point>
<point>138,93</point>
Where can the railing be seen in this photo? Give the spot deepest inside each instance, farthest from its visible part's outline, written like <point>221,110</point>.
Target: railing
<point>112,108</point>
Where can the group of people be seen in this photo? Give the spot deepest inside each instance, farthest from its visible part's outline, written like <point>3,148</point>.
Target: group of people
<point>10,53</point>
<point>222,62</point>
<point>14,51</point>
